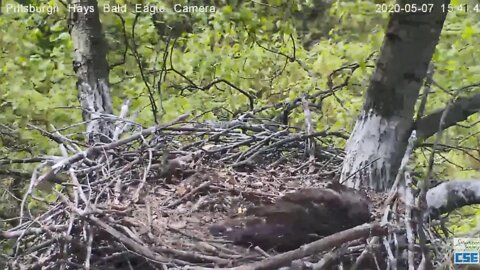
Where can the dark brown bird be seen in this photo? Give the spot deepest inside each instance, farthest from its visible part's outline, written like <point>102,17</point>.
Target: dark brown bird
<point>297,218</point>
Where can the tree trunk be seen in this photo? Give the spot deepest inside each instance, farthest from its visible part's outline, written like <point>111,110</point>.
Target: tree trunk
<point>91,67</point>
<point>379,138</point>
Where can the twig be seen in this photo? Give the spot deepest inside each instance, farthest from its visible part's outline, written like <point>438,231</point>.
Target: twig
<point>261,251</point>
<point>426,90</point>
<point>329,258</point>
<point>89,237</point>
<point>123,113</point>
<point>310,145</point>
<point>144,177</point>
<point>409,203</point>
<point>189,194</point>
<point>403,165</point>
<point>424,186</point>
<point>98,149</point>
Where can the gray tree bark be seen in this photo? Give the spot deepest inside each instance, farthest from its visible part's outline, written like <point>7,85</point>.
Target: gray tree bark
<point>459,110</point>
<point>379,138</point>
<point>91,67</point>
<point>451,195</point>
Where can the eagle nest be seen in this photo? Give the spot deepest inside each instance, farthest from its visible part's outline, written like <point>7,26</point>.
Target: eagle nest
<point>153,199</point>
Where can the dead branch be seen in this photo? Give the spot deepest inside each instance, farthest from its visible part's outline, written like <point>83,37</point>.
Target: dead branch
<point>334,240</point>
<point>92,151</point>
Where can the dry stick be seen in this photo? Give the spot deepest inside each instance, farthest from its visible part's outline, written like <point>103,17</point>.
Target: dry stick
<point>233,145</point>
<point>97,149</point>
<point>403,165</point>
<point>57,137</point>
<point>256,148</point>
<point>261,251</point>
<point>394,190</point>
<point>422,198</point>
<point>426,91</point>
<point>136,195</point>
<point>296,137</point>
<point>409,204</point>
<point>89,235</point>
<point>29,231</point>
<point>78,188</point>
<point>38,159</point>
<point>310,141</point>
<point>365,253</point>
<point>129,232</point>
<point>359,170</point>
<point>391,196</point>
<point>392,261</point>
<point>117,190</point>
<point>24,227</point>
<point>329,258</point>
<point>191,255</point>
<point>230,253</point>
<point>79,194</point>
<point>372,242</point>
<point>29,191</point>
<point>142,250</point>
<point>235,191</point>
<point>149,217</point>
<point>189,194</point>
<point>123,114</point>
<point>424,185</point>
<point>323,244</point>
<point>395,237</point>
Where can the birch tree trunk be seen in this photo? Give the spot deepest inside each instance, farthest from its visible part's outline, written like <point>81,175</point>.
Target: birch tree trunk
<point>379,138</point>
<point>91,67</point>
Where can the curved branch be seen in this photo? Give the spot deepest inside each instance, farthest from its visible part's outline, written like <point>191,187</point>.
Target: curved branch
<point>134,50</point>
<point>212,83</point>
<point>452,195</point>
<point>250,97</point>
<point>459,110</point>
<point>125,41</point>
<point>326,243</point>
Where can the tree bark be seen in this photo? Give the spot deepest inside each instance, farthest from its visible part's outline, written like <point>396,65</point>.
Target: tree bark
<point>91,67</point>
<point>379,138</point>
<point>459,110</point>
<point>452,195</point>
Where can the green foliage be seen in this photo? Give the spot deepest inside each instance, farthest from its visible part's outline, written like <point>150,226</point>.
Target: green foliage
<point>457,67</point>
<point>34,79</point>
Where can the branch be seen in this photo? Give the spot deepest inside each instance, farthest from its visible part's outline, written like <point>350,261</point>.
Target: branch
<point>98,149</point>
<point>323,244</point>
<point>452,195</point>
<point>250,97</point>
<point>17,233</point>
<point>138,59</point>
<point>459,110</point>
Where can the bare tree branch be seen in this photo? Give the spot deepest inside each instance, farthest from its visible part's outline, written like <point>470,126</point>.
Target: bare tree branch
<point>323,244</point>
<point>459,110</point>
<point>452,195</point>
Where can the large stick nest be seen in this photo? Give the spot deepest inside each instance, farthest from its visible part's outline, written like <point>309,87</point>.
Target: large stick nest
<point>146,202</point>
